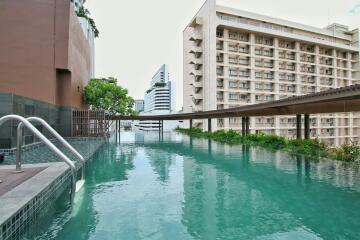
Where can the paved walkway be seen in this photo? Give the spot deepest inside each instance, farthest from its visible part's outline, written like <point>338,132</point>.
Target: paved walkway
<point>10,179</point>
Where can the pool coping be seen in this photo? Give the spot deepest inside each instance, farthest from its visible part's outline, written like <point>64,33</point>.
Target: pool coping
<point>25,200</point>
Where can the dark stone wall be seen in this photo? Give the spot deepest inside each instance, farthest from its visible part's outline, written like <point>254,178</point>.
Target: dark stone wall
<point>58,117</point>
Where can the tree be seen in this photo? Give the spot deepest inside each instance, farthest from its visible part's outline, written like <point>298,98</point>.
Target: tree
<point>105,94</point>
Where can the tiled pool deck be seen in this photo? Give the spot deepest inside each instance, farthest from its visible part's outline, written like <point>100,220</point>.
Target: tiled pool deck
<point>23,196</point>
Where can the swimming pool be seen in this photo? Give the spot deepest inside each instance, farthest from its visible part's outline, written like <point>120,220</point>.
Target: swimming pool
<point>184,188</point>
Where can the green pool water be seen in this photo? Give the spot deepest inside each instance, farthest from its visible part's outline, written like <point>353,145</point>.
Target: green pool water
<point>179,187</point>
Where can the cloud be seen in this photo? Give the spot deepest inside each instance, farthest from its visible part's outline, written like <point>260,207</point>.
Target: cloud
<point>355,9</point>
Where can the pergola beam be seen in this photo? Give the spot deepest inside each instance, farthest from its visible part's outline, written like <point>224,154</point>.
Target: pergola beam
<point>346,99</point>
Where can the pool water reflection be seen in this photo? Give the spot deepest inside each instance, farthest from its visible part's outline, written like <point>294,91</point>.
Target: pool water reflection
<point>177,187</point>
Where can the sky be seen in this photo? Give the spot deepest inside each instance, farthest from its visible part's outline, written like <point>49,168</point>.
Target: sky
<point>138,36</point>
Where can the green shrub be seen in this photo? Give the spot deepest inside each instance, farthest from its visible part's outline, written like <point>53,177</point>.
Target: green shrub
<point>311,148</point>
<point>348,152</point>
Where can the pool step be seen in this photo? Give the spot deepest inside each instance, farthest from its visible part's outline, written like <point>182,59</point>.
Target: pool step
<point>79,185</point>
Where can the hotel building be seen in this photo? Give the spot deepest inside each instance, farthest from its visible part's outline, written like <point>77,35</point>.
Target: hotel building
<point>158,99</point>
<point>46,59</point>
<point>234,58</point>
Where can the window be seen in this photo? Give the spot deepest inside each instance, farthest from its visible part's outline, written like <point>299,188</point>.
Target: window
<point>233,96</point>
<point>243,97</point>
<point>243,50</point>
<point>267,53</point>
<point>219,34</point>
<point>258,75</point>
<point>243,61</point>
<point>244,85</point>
<point>268,75</point>
<point>232,72</point>
<point>268,64</point>
<point>243,37</point>
<point>233,84</point>
<point>268,86</point>
<point>291,77</point>
<point>232,35</point>
<point>259,40</point>
<point>244,73</point>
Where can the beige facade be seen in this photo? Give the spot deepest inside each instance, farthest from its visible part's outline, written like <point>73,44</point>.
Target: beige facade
<point>234,58</point>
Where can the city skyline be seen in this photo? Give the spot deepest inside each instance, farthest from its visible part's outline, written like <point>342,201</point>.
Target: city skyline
<point>118,60</point>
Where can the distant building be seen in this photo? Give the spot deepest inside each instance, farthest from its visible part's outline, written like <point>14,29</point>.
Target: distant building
<point>161,94</point>
<point>236,58</point>
<point>159,99</point>
<point>46,59</point>
<point>139,106</point>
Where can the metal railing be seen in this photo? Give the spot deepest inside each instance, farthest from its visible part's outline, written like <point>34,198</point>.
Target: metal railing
<point>46,141</point>
<point>55,134</point>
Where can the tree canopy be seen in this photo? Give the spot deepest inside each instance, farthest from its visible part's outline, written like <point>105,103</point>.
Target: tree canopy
<point>105,94</point>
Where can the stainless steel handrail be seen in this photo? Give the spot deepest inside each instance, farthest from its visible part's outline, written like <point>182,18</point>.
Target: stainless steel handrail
<point>55,134</point>
<point>46,141</point>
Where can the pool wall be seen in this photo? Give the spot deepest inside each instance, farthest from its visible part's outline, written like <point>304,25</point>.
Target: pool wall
<point>21,206</point>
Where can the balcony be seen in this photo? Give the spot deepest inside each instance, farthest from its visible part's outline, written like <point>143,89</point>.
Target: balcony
<point>307,60</point>
<point>197,64</point>
<point>198,84</point>
<point>264,41</point>
<point>308,80</point>
<point>289,78</point>
<point>265,53</point>
<point>326,72</point>
<point>238,36</point>
<point>197,52</point>
<point>197,38</point>
<point>307,69</point>
<point>264,64</point>
<point>197,96</point>
<point>307,48</point>
<point>287,67</point>
<point>196,73</point>
<point>287,45</point>
<point>327,82</point>
<point>235,61</point>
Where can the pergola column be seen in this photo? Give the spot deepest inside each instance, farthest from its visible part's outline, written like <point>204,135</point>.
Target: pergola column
<point>247,127</point>
<point>307,126</point>
<point>298,126</point>
<point>209,124</point>
<point>191,123</point>
<point>243,126</point>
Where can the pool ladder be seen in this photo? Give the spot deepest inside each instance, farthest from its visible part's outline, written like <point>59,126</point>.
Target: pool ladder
<point>25,122</point>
